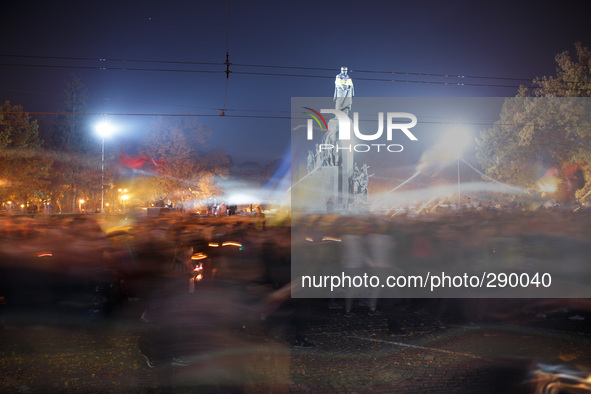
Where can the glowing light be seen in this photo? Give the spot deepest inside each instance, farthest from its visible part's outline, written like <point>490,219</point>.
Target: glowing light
<point>199,267</point>
<point>44,254</point>
<point>104,129</point>
<point>125,197</point>
<point>334,239</point>
<point>213,244</point>
<point>81,201</point>
<point>199,256</point>
<point>456,140</point>
<point>309,239</point>
<point>548,184</point>
<point>199,277</point>
<point>231,243</point>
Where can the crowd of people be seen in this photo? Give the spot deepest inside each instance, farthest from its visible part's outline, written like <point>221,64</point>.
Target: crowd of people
<point>201,278</point>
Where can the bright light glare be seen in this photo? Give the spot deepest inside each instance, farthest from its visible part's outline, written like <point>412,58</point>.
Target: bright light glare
<point>456,140</point>
<point>231,243</point>
<point>242,198</point>
<point>548,185</point>
<point>104,129</point>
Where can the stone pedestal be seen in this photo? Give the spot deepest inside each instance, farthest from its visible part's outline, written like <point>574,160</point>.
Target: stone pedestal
<point>345,163</point>
<point>316,188</point>
<point>330,168</point>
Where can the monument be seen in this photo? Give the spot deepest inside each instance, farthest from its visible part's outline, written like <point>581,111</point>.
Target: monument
<point>333,174</point>
<point>343,91</point>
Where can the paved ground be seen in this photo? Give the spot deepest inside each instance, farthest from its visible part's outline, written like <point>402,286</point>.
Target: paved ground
<point>460,357</point>
<point>45,352</point>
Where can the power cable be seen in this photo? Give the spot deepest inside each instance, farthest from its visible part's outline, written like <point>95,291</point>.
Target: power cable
<point>146,102</point>
<point>109,68</point>
<point>227,62</point>
<point>263,65</point>
<point>143,114</point>
<point>227,71</point>
<point>112,60</point>
<point>260,74</point>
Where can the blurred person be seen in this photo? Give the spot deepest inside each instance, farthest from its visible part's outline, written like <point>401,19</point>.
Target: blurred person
<point>166,282</point>
<point>354,255</point>
<point>222,209</point>
<point>259,219</point>
<point>330,206</point>
<point>275,256</point>
<point>282,303</point>
<point>381,259</point>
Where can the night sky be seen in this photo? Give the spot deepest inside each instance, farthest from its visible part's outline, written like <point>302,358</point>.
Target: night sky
<point>491,41</point>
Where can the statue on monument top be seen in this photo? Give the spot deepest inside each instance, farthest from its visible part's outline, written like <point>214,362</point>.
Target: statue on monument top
<point>343,91</point>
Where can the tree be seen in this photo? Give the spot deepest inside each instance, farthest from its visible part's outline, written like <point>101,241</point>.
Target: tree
<point>188,170</point>
<point>23,166</point>
<point>573,76</point>
<point>77,173</point>
<point>545,127</point>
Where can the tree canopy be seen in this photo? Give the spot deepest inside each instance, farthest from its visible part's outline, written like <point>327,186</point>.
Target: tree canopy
<point>76,172</point>
<point>187,170</point>
<point>573,76</point>
<point>545,131</point>
<point>23,167</point>
<point>67,166</point>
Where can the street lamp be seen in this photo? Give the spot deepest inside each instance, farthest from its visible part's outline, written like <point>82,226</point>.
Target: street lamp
<point>104,130</point>
<point>124,198</point>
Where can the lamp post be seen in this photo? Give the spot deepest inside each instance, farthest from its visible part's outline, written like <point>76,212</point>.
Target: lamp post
<point>124,198</point>
<point>104,130</point>
<point>455,141</point>
<point>459,189</point>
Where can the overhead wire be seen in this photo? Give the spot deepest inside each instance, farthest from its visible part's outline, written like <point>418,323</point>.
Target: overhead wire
<point>227,72</point>
<point>111,59</point>
<point>109,68</point>
<point>224,109</point>
<point>432,122</point>
<point>264,65</point>
<point>150,102</point>
<point>268,66</point>
<point>386,72</point>
<point>142,114</point>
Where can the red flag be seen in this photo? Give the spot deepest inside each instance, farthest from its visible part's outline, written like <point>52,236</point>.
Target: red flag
<point>139,163</point>
<point>551,171</point>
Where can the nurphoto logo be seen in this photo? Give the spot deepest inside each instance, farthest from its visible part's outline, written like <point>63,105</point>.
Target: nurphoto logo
<point>402,121</point>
